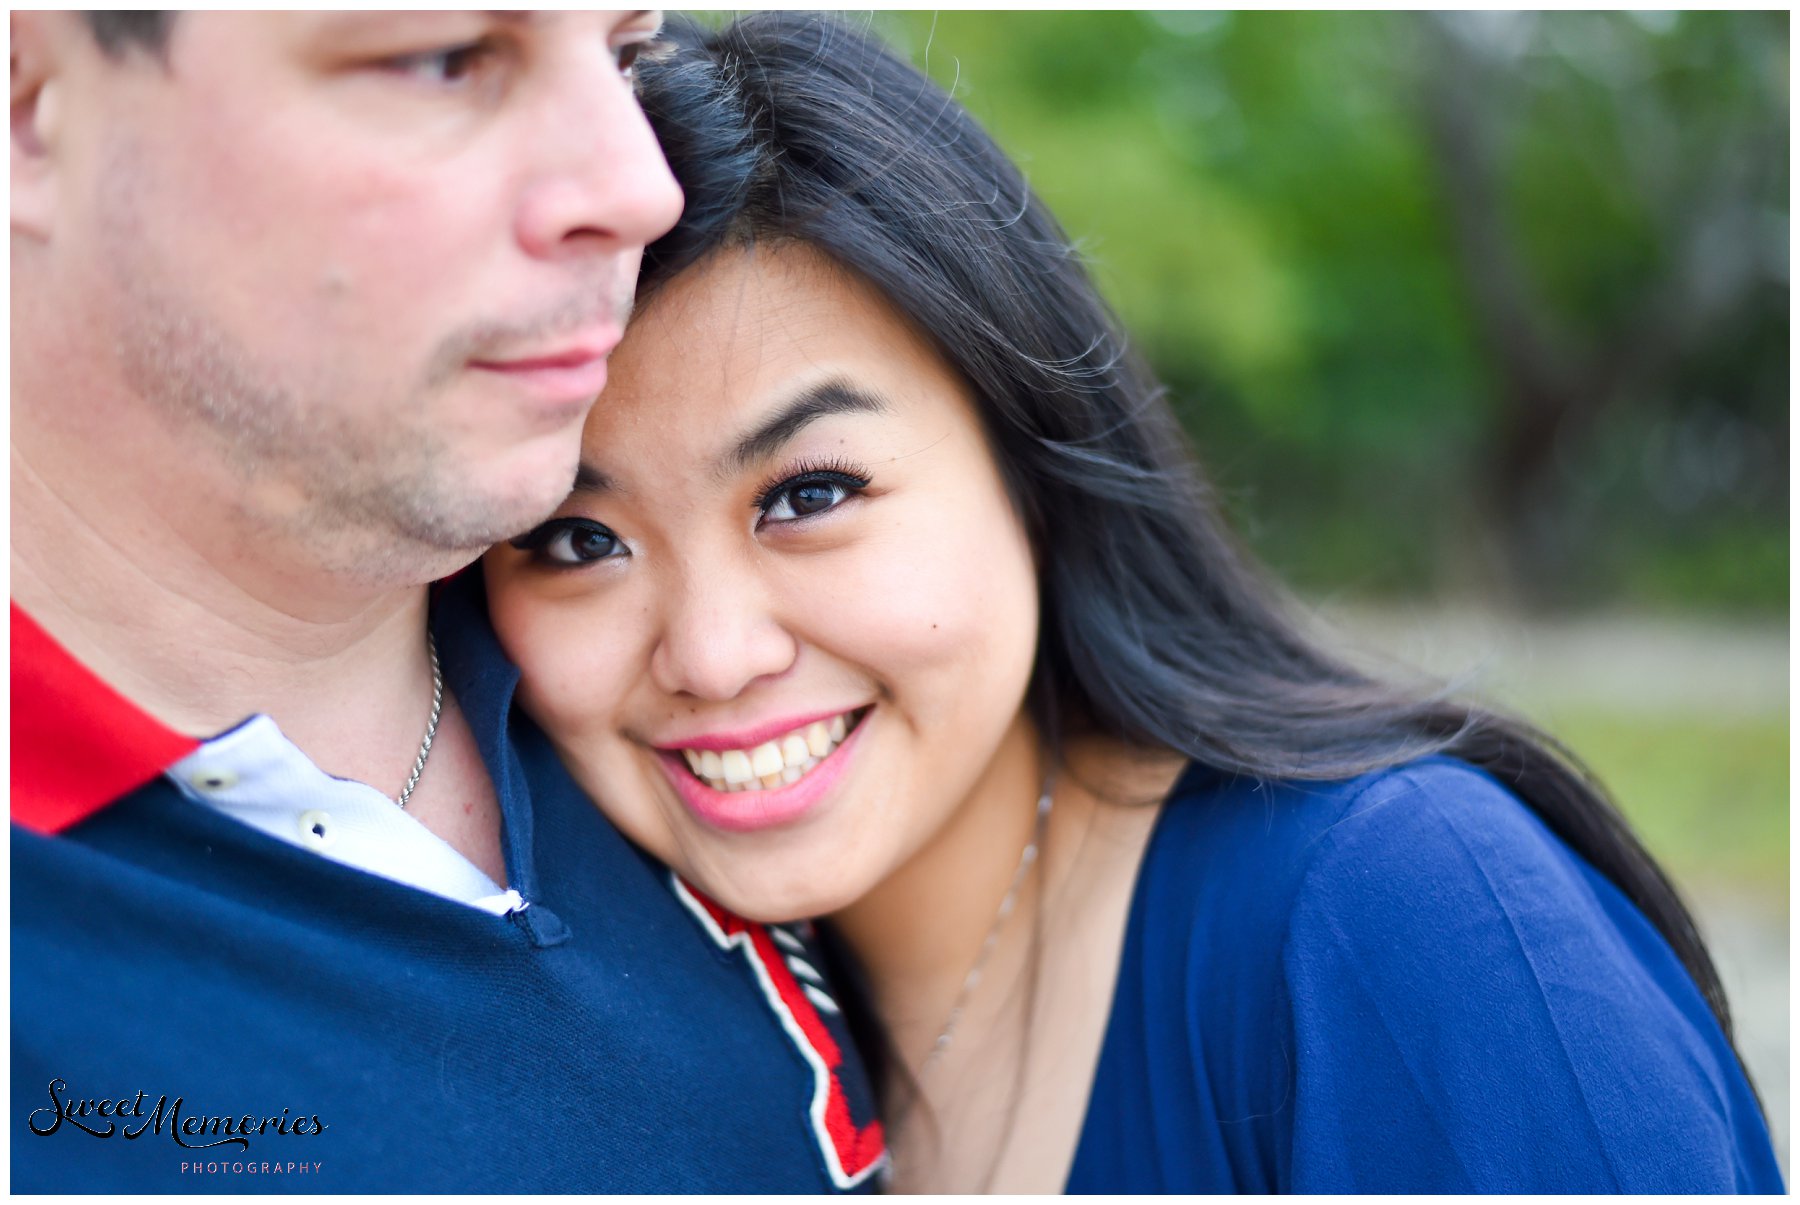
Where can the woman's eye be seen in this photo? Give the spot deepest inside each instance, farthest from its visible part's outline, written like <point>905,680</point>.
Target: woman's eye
<point>571,542</point>
<point>802,497</point>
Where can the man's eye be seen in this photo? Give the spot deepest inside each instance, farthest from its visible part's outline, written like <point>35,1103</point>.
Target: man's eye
<point>571,542</point>
<point>626,57</point>
<point>451,65</point>
<point>803,497</point>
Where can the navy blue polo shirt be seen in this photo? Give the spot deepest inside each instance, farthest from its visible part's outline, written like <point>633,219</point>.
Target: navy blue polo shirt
<point>199,1006</point>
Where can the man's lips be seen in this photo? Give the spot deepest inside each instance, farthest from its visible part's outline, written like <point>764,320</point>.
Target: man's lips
<point>571,373</point>
<point>564,359</point>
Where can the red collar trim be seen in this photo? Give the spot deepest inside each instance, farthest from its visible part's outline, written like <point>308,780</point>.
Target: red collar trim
<point>77,744</point>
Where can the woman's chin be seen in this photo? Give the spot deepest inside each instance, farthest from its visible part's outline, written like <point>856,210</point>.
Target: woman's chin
<point>771,901</point>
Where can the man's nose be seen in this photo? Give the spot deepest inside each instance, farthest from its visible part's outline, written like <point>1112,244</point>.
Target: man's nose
<point>719,637</point>
<point>600,182</point>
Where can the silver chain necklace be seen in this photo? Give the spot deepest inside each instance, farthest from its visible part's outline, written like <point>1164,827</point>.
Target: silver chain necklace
<point>437,705</point>
<point>1026,857</point>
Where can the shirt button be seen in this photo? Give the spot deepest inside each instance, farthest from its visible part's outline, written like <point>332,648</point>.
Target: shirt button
<point>213,778</point>
<point>317,829</point>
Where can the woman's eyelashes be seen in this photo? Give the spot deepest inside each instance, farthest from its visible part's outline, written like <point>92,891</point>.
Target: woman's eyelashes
<point>809,489</point>
<point>571,542</point>
<point>796,494</point>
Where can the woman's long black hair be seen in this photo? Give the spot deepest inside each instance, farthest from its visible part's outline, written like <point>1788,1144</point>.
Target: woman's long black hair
<point>1157,628</point>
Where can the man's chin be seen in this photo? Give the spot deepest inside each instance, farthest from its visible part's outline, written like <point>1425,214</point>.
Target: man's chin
<point>472,533</point>
<point>440,518</point>
<point>470,516</point>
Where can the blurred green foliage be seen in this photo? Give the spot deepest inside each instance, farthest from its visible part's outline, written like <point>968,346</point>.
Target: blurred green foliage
<point>1475,304</point>
<point>1708,795</point>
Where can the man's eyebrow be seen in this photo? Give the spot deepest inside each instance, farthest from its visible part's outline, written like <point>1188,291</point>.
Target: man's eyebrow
<point>333,21</point>
<point>833,396</point>
<point>348,18</point>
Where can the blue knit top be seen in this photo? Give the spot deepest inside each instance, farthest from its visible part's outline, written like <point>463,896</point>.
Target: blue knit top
<point>1402,983</point>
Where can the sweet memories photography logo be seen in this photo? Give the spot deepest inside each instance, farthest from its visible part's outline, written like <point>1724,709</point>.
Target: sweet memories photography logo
<point>130,1118</point>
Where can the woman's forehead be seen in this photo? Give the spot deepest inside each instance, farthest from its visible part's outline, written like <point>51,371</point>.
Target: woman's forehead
<point>768,307</point>
<point>745,333</point>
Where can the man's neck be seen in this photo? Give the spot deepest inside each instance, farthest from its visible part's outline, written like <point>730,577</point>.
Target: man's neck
<point>202,626</point>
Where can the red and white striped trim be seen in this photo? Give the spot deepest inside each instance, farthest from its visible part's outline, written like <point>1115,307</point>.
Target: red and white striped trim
<point>852,1153</point>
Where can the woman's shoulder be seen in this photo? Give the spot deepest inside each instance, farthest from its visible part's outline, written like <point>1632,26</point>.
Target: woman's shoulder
<point>1394,875</point>
<point>1434,879</point>
<point>1433,962</point>
<point>1292,815</point>
<point>1405,830</point>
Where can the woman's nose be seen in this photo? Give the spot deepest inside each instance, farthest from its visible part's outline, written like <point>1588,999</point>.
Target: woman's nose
<point>719,637</point>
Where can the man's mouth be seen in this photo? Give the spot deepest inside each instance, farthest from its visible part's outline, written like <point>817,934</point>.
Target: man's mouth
<point>575,351</point>
<point>566,379</point>
<point>779,761</point>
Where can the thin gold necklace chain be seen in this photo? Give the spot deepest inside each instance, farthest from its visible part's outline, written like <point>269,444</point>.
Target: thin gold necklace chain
<point>1027,856</point>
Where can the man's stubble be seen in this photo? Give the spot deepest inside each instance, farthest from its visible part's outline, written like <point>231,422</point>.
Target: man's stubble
<point>373,491</point>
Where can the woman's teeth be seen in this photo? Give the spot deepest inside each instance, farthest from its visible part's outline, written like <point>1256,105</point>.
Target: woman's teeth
<point>775,763</point>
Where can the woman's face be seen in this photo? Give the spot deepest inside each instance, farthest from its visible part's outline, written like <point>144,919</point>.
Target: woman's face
<point>786,617</point>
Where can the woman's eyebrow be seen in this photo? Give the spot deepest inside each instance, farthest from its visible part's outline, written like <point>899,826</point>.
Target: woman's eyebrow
<point>590,480</point>
<point>832,396</point>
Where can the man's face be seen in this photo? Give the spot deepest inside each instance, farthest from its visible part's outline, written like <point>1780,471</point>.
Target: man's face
<point>372,262</point>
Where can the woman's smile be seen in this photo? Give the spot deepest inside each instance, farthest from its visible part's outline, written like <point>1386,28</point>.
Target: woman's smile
<point>782,779</point>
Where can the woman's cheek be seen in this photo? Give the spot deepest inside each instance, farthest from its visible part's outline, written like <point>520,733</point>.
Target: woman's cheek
<point>960,601</point>
<point>564,681</point>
